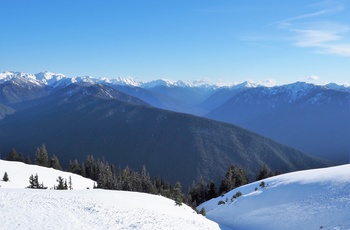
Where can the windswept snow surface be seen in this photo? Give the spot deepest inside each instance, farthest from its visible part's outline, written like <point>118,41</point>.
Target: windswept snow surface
<point>311,199</point>
<point>81,208</point>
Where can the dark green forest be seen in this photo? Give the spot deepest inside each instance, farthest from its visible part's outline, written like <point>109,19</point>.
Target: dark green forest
<point>107,176</point>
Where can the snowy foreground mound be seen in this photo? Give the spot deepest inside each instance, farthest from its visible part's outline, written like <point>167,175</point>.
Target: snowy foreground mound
<point>311,199</point>
<point>81,208</point>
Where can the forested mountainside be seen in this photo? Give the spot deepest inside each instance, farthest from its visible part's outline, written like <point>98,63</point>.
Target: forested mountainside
<point>96,119</point>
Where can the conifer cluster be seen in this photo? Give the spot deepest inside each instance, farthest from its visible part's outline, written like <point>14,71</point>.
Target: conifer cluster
<point>108,177</point>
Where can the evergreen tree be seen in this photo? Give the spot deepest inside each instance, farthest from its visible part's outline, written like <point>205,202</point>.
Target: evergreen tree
<point>199,191</point>
<point>210,191</point>
<point>90,167</point>
<point>263,172</point>
<point>21,157</point>
<point>126,179</point>
<point>178,194</point>
<point>12,156</point>
<point>74,167</point>
<point>55,163</point>
<point>65,184</point>
<point>28,160</point>
<point>146,183</point>
<point>5,177</point>
<point>34,182</point>
<point>105,176</point>
<point>70,183</point>
<point>41,157</point>
<point>241,178</point>
<point>202,211</point>
<point>82,167</point>
<point>229,181</point>
<point>62,185</point>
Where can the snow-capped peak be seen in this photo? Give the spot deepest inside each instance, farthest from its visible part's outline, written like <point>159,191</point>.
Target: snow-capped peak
<point>58,79</point>
<point>120,81</point>
<point>155,83</point>
<point>18,77</point>
<point>202,83</point>
<point>49,78</point>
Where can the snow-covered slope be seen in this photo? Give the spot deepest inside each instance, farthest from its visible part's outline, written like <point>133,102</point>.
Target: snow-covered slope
<point>81,208</point>
<point>19,174</point>
<point>311,199</point>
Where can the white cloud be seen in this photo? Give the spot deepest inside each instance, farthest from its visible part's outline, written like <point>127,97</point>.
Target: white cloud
<point>324,37</point>
<point>268,82</point>
<point>312,78</point>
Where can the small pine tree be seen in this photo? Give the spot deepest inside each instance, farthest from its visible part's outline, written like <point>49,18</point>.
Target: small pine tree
<point>34,182</point>
<point>5,177</point>
<point>61,184</point>
<point>202,211</point>
<point>65,185</point>
<point>70,184</point>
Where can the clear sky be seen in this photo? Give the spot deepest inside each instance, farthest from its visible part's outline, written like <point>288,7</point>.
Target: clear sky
<point>219,40</point>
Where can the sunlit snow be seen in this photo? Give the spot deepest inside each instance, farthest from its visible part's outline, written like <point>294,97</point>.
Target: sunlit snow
<point>311,199</point>
<point>83,208</point>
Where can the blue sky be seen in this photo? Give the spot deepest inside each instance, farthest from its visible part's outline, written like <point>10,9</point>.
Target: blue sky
<point>218,40</point>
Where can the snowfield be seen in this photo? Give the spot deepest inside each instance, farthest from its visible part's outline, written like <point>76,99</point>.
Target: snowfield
<point>84,208</point>
<point>310,199</point>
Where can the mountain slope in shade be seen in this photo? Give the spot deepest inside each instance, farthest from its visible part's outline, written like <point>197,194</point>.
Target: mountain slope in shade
<point>5,110</point>
<point>157,99</point>
<point>311,118</point>
<point>178,147</point>
<point>85,209</point>
<point>311,199</point>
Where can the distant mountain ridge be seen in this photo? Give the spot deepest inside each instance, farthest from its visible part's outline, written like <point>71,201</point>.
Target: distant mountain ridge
<point>311,118</point>
<point>56,79</point>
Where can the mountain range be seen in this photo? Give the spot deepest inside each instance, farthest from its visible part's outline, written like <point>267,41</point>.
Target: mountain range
<point>81,116</point>
<point>312,118</point>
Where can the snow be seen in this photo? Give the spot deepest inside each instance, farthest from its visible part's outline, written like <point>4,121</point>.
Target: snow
<point>19,174</point>
<point>344,88</point>
<point>58,79</point>
<point>121,81</point>
<point>83,208</point>
<point>49,78</point>
<point>310,199</point>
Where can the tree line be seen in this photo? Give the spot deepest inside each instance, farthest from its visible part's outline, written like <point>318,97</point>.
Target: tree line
<point>127,179</point>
